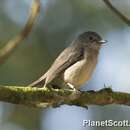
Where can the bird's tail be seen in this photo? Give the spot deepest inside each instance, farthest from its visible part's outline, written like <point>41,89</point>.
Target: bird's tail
<point>38,83</point>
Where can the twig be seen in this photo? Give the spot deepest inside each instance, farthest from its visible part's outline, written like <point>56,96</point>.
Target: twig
<point>117,12</point>
<point>11,45</point>
<point>44,97</point>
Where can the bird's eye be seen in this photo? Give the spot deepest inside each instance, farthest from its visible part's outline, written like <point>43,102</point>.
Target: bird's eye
<point>90,38</point>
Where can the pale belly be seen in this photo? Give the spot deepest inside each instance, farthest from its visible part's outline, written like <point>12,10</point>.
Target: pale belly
<point>80,72</point>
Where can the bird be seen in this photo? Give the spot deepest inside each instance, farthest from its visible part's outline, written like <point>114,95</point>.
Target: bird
<point>75,64</point>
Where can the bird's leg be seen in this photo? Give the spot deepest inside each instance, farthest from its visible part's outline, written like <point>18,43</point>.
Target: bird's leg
<point>77,92</point>
<point>71,87</point>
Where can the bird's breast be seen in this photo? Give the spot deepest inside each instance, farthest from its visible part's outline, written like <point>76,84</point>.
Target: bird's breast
<point>81,71</point>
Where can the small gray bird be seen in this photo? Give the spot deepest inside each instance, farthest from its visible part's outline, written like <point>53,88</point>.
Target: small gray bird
<point>75,65</point>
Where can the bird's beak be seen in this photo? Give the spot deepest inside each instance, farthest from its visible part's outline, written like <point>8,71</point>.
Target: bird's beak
<point>103,41</point>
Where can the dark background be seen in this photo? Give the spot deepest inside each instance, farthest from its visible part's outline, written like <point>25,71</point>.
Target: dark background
<point>59,22</point>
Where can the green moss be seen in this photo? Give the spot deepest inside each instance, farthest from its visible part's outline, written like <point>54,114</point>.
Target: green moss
<point>45,97</point>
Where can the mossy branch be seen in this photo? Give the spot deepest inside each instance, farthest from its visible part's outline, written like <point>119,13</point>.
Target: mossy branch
<point>44,97</point>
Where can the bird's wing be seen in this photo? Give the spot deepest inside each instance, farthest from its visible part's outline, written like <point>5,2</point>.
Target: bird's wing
<point>68,57</point>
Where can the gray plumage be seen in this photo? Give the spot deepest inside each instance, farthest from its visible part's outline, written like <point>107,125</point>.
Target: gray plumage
<point>80,48</point>
<point>70,55</point>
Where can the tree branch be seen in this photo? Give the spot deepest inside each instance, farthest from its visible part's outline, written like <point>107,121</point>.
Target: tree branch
<point>44,97</point>
<point>6,51</point>
<point>117,12</point>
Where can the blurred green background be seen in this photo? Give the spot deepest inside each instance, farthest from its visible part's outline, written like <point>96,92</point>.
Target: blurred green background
<point>59,22</point>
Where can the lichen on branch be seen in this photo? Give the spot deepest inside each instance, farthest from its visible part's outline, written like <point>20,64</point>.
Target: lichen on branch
<point>44,97</point>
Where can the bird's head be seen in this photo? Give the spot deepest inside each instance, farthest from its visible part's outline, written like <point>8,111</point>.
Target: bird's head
<point>91,40</point>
